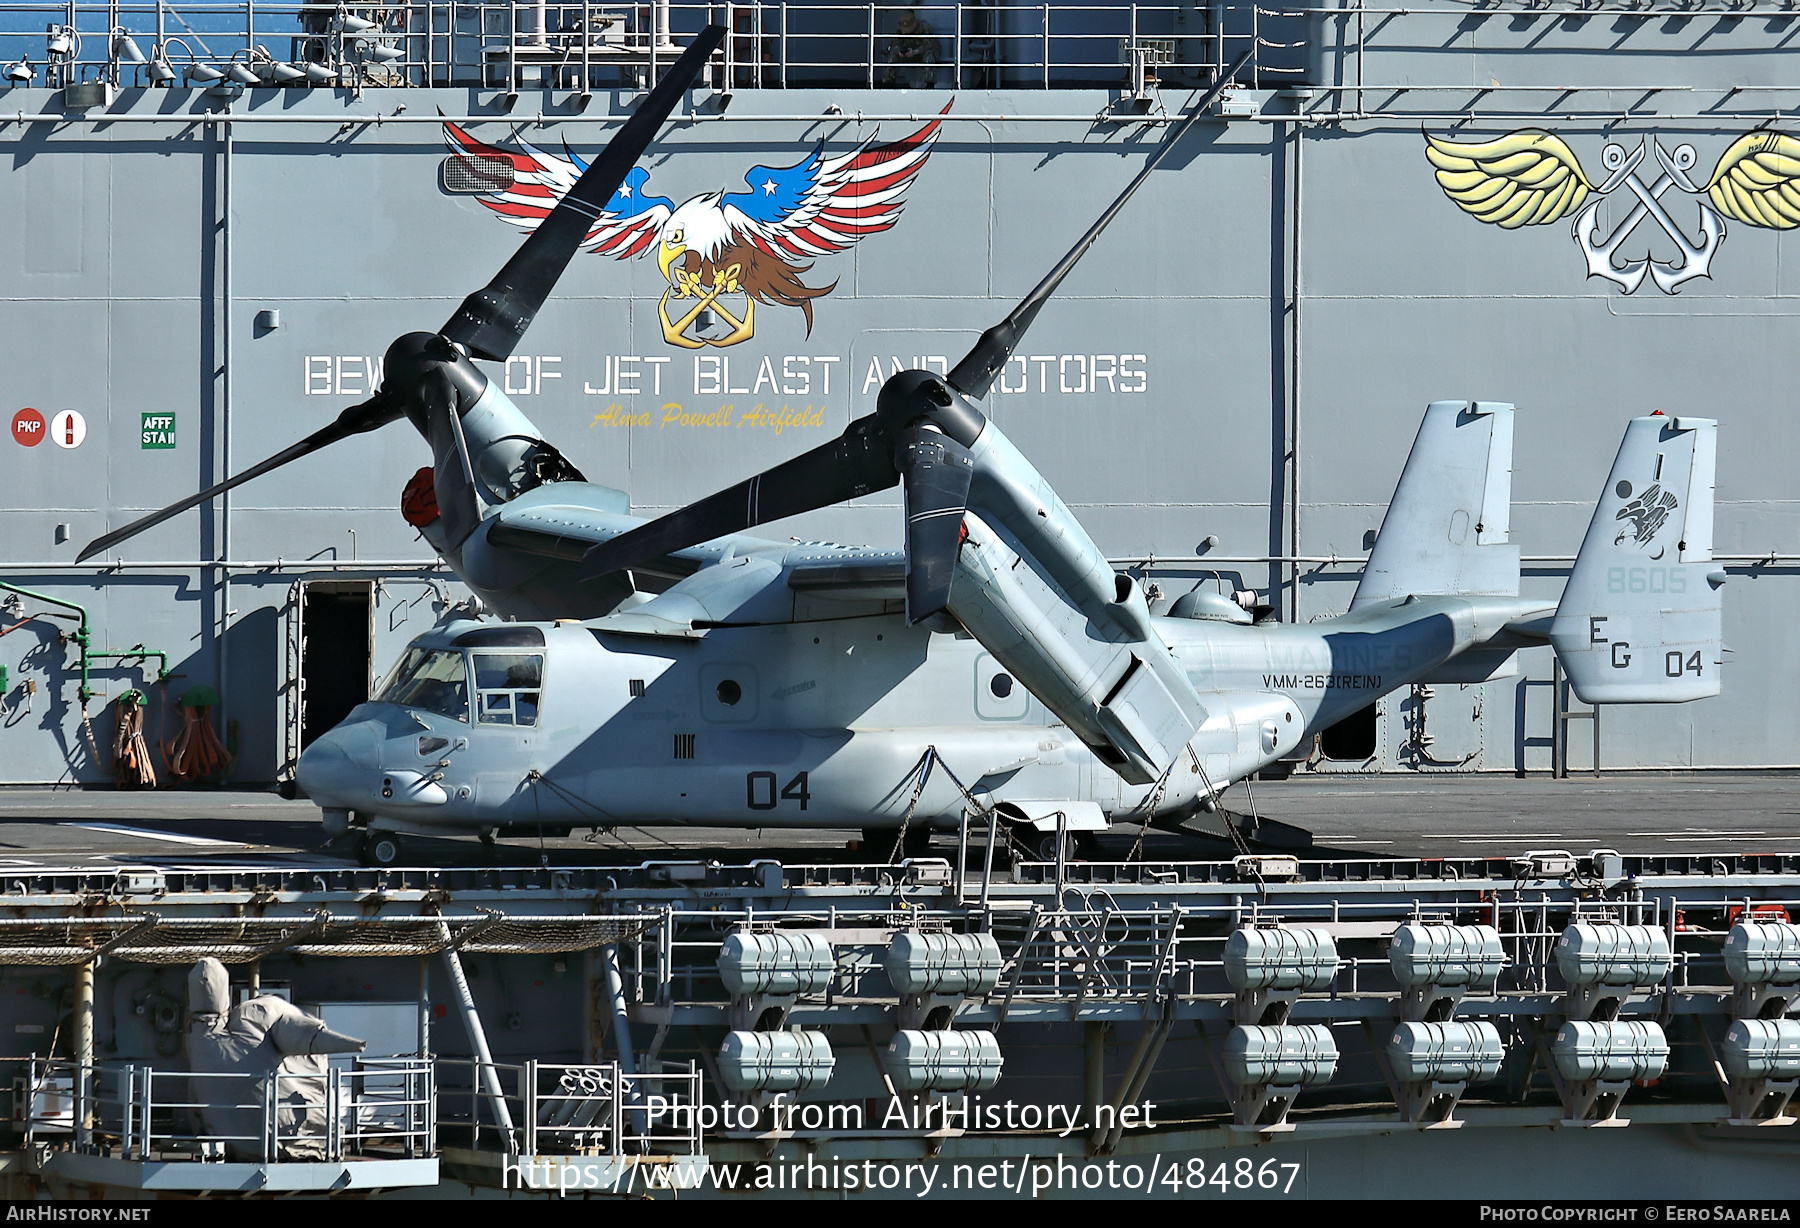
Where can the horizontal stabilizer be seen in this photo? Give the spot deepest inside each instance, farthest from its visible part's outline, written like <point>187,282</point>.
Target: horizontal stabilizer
<point>1640,620</point>
<point>1445,531</point>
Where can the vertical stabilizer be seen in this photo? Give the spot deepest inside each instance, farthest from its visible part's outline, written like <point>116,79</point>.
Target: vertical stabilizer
<point>1446,529</point>
<point>1640,620</point>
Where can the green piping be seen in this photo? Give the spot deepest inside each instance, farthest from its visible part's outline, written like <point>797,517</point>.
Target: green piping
<point>137,652</point>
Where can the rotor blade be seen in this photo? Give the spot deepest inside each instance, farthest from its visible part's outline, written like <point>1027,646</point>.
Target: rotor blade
<point>372,413</point>
<point>490,321</point>
<point>935,472</point>
<point>974,375</point>
<point>852,464</point>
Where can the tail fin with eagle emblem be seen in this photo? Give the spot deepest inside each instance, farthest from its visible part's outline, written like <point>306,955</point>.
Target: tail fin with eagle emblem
<point>1641,618</point>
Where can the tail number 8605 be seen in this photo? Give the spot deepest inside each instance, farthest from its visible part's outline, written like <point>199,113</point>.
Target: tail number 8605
<point>1645,580</point>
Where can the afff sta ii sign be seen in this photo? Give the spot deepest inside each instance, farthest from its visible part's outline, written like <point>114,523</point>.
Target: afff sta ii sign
<point>158,431</point>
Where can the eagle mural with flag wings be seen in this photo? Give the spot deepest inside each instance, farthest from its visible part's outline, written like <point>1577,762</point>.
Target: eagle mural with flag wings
<point>721,252</point>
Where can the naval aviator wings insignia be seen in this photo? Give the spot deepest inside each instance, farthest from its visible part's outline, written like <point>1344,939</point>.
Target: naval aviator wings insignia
<point>1525,178</point>
<point>1757,182</point>
<point>1532,178</point>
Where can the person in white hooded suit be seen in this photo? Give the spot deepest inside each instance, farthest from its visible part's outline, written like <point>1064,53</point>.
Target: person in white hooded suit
<point>260,1037</point>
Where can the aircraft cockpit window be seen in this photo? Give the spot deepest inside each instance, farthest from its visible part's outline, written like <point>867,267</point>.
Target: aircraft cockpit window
<point>434,679</point>
<point>507,685</point>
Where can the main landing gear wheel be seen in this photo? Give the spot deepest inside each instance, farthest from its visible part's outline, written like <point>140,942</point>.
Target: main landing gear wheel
<point>380,848</point>
<point>1042,844</point>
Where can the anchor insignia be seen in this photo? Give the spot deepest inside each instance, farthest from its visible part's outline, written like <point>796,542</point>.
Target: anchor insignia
<point>1602,254</point>
<point>1532,178</point>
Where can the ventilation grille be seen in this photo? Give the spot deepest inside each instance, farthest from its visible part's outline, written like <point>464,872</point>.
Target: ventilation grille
<point>470,174</point>
<point>684,746</point>
<point>637,688</point>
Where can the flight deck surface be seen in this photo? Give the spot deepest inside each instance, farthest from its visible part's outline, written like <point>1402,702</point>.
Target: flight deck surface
<point>1385,816</point>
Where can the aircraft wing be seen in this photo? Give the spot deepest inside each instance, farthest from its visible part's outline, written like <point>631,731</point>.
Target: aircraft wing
<point>732,579</point>
<point>868,575</point>
<point>566,530</point>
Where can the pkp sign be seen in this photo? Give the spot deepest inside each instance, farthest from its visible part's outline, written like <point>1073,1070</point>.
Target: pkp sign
<point>28,429</point>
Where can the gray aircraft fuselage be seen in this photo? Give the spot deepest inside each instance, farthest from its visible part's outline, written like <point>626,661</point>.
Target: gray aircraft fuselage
<point>830,718</point>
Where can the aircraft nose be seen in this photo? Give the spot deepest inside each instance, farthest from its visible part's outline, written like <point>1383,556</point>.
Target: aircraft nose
<point>339,762</point>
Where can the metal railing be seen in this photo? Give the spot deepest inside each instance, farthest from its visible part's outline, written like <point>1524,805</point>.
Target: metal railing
<point>376,1107</point>
<point>385,1107</point>
<point>1094,950</point>
<point>509,43</point>
<point>587,45</point>
<point>1361,60</point>
<point>566,1108</point>
<point>38,1099</point>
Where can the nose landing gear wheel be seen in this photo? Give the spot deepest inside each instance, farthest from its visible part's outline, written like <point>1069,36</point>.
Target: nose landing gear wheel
<point>380,848</point>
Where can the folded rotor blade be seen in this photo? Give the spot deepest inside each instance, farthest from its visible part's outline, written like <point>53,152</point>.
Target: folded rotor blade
<point>935,472</point>
<point>974,375</point>
<point>853,464</point>
<point>376,411</point>
<point>490,321</point>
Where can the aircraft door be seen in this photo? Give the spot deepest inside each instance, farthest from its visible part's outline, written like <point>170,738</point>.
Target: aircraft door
<point>506,693</point>
<point>1353,743</point>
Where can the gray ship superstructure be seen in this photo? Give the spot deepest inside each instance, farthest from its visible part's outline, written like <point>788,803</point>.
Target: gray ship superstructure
<point>1222,392</point>
<point>1579,211</point>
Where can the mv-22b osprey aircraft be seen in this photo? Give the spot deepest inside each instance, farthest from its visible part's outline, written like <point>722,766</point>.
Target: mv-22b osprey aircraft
<point>682,672</point>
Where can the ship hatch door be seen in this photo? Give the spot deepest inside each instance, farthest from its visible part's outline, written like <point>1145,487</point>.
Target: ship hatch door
<point>336,651</point>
